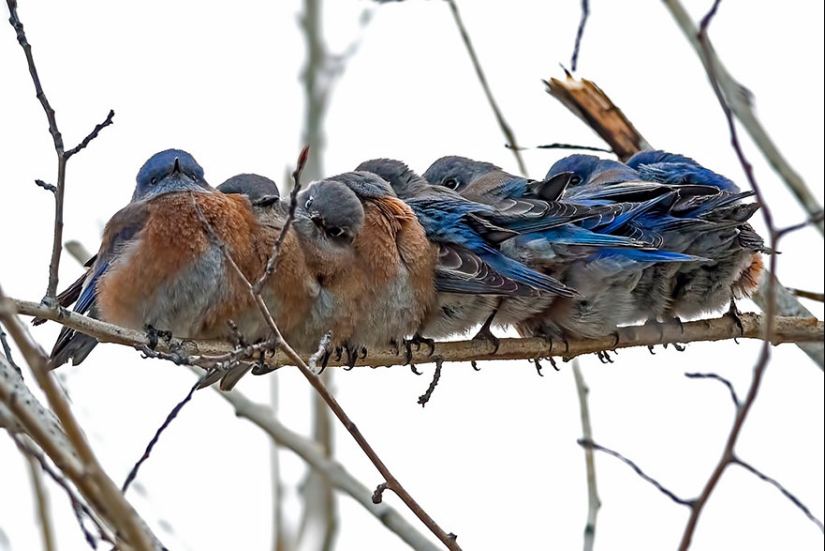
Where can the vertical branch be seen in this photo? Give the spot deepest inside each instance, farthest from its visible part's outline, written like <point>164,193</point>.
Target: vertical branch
<point>482,79</point>
<point>593,501</point>
<point>42,499</point>
<point>59,148</point>
<point>280,538</point>
<point>739,103</point>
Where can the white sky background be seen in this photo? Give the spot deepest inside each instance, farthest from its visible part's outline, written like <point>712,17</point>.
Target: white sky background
<point>493,457</point>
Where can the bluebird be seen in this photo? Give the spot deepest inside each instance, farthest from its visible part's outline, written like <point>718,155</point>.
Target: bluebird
<point>291,292</point>
<point>157,266</point>
<point>371,258</point>
<point>707,219</point>
<point>452,221</point>
<point>590,255</point>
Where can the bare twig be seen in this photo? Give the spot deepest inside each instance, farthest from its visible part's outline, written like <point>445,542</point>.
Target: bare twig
<point>87,473</point>
<point>658,485</point>
<point>78,251</point>
<point>579,35</point>
<point>318,385</point>
<point>425,398</point>
<point>62,155</point>
<point>788,330</point>
<point>41,498</point>
<point>810,295</point>
<point>792,498</point>
<point>81,510</point>
<point>276,251</point>
<point>262,416</point>
<point>169,418</point>
<point>788,305</point>
<point>740,104</point>
<point>7,351</point>
<point>92,135</point>
<point>482,79</point>
<point>734,398</point>
<point>764,357</point>
<point>593,501</point>
<point>568,146</point>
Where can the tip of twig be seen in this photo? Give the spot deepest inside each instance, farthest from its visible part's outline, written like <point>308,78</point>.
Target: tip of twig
<point>302,158</point>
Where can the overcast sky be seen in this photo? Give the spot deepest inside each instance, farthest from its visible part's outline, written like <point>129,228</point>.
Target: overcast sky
<point>493,457</point>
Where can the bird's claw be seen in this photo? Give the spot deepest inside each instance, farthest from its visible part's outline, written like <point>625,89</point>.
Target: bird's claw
<point>486,335</point>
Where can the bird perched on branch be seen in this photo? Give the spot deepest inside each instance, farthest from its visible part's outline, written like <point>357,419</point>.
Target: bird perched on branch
<point>591,255</point>
<point>705,218</point>
<point>371,257</point>
<point>158,266</point>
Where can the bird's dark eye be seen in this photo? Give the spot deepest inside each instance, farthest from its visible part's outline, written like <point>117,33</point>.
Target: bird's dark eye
<point>153,181</point>
<point>308,203</point>
<point>575,180</point>
<point>451,183</point>
<point>335,231</point>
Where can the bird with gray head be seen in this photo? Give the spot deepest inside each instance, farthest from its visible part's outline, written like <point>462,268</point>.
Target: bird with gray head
<point>371,257</point>
<point>487,284</point>
<point>590,255</point>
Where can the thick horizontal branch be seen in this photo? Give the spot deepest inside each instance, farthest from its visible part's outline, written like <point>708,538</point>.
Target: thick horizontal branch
<point>788,330</point>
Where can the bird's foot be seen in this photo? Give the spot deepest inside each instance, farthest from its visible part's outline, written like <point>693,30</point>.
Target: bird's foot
<point>153,335</point>
<point>734,313</point>
<point>486,335</point>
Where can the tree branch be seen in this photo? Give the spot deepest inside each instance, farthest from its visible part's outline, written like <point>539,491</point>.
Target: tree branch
<point>78,462</point>
<point>62,155</point>
<point>482,79</point>
<point>740,104</point>
<point>593,501</point>
<point>788,330</point>
<point>263,417</point>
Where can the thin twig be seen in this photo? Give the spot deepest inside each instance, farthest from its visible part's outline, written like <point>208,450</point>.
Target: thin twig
<point>579,35</point>
<point>293,204</point>
<point>318,385</point>
<point>62,155</point>
<point>262,416</point>
<point>425,398</point>
<point>7,351</point>
<point>810,295</point>
<point>734,398</point>
<point>741,105</point>
<point>41,498</point>
<point>92,135</point>
<point>792,498</point>
<point>658,485</point>
<point>765,353</point>
<point>90,478</point>
<point>593,501</point>
<point>482,79</point>
<point>169,418</point>
<point>80,509</point>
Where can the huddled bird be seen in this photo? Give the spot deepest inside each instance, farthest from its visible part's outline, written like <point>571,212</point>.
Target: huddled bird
<point>384,257</point>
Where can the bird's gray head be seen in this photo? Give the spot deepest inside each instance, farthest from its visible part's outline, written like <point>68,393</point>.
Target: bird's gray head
<point>329,213</point>
<point>167,172</point>
<point>260,190</point>
<point>365,185</point>
<point>401,178</point>
<point>457,173</point>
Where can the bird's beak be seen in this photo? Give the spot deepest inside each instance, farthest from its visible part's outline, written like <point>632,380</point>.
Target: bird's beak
<point>176,166</point>
<point>317,218</point>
